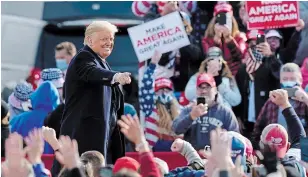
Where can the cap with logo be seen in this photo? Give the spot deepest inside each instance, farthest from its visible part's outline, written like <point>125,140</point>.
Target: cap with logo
<point>222,6</point>
<point>206,78</point>
<point>163,83</point>
<point>252,34</point>
<point>276,135</point>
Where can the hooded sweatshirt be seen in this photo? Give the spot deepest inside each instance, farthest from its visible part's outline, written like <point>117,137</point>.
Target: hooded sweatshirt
<point>197,132</point>
<point>44,100</point>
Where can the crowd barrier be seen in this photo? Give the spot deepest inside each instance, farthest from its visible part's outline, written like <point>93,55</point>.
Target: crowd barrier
<point>172,158</point>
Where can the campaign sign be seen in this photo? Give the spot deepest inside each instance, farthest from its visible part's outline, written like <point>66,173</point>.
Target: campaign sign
<point>272,14</point>
<point>165,34</point>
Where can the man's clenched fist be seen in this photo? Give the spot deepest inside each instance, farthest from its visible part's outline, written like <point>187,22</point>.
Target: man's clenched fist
<point>123,78</point>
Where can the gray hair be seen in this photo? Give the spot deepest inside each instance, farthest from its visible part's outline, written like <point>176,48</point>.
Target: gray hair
<point>290,67</point>
<point>293,68</point>
<point>97,26</point>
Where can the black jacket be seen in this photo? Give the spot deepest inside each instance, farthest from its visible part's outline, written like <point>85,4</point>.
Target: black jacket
<point>288,54</point>
<point>53,120</point>
<point>266,79</point>
<point>89,99</point>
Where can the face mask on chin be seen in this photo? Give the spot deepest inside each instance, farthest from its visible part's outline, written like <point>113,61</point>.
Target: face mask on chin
<point>61,64</point>
<point>289,84</point>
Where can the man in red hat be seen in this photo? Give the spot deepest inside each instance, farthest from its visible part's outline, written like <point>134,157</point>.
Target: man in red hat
<point>197,121</point>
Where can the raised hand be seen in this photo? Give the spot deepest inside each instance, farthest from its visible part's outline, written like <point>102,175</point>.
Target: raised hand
<point>280,98</point>
<point>156,57</point>
<point>300,25</point>
<point>220,154</point>
<point>213,68</point>
<point>35,146</point>
<point>131,128</point>
<point>265,49</point>
<point>238,170</point>
<point>301,95</point>
<point>15,157</point>
<point>198,110</point>
<point>50,137</point>
<point>177,145</point>
<point>68,153</point>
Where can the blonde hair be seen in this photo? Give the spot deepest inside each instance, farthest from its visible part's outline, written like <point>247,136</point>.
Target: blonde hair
<point>165,118</point>
<point>226,72</point>
<point>210,32</point>
<point>68,47</point>
<point>97,26</point>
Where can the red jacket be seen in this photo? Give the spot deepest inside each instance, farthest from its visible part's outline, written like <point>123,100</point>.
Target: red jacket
<point>233,51</point>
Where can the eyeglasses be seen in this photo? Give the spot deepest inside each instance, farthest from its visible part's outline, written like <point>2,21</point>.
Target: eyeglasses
<point>208,87</point>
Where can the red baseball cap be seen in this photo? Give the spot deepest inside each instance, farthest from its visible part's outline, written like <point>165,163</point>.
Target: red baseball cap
<point>163,83</point>
<point>249,147</point>
<point>126,163</point>
<point>252,34</point>
<point>222,7</point>
<point>206,78</point>
<point>275,135</point>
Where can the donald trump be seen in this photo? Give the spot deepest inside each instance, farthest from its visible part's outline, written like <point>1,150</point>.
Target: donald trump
<point>94,102</point>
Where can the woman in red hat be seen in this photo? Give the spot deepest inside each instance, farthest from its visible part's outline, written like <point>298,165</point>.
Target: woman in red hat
<point>227,37</point>
<point>159,107</point>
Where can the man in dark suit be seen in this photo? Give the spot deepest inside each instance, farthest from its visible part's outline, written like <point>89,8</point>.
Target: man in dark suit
<point>94,102</point>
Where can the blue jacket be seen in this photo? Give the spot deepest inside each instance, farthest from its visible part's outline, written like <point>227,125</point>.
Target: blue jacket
<point>44,100</point>
<point>185,172</point>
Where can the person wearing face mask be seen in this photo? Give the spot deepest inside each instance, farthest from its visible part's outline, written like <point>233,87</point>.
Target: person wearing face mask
<point>215,65</point>
<point>227,37</point>
<point>64,52</point>
<point>275,40</point>
<point>197,121</point>
<point>159,106</point>
<point>257,76</point>
<point>19,100</point>
<point>290,77</point>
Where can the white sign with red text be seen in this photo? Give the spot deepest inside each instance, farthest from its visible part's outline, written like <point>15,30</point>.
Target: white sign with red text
<point>165,34</point>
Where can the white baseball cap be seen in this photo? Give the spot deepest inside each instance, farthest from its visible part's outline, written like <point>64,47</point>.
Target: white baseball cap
<point>273,33</point>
